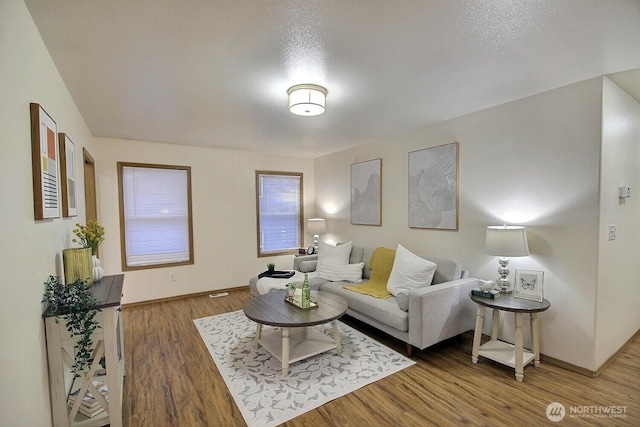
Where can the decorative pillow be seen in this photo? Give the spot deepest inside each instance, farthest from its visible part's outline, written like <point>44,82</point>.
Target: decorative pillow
<point>338,273</point>
<point>409,271</point>
<point>403,299</point>
<point>338,255</point>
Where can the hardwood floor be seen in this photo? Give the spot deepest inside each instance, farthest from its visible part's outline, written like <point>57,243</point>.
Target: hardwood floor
<point>171,380</point>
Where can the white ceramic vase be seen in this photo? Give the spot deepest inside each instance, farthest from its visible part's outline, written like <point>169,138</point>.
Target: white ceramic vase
<point>98,271</point>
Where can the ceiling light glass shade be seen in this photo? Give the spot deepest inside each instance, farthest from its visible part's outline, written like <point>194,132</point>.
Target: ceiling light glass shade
<point>307,99</point>
<point>506,241</point>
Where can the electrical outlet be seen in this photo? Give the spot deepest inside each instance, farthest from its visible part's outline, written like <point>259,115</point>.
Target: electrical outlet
<point>172,277</point>
<point>612,232</point>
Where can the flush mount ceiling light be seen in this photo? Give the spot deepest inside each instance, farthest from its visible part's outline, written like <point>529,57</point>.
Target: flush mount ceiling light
<point>307,99</point>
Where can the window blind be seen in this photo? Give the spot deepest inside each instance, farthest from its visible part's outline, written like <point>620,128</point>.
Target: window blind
<point>279,207</point>
<point>156,215</point>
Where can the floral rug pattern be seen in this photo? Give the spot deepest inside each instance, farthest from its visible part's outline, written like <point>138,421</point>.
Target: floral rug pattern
<point>254,377</point>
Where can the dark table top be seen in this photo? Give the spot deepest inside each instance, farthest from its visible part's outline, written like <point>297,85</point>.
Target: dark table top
<point>507,302</point>
<point>271,309</point>
<point>107,292</point>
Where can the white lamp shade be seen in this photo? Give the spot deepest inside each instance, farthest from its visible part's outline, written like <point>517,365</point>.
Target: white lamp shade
<point>307,100</point>
<point>506,241</point>
<point>316,226</point>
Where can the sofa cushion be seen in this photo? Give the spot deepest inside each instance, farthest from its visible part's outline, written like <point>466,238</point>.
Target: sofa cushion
<point>383,310</point>
<point>337,255</point>
<point>409,272</point>
<point>335,273</point>
<point>448,269</point>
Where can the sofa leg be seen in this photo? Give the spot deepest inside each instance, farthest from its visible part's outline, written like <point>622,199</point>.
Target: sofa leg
<point>409,350</point>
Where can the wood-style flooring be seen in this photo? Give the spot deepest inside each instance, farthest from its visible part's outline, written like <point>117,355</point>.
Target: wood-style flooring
<point>171,380</point>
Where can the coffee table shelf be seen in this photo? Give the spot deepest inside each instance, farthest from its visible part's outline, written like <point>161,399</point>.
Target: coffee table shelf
<point>303,342</point>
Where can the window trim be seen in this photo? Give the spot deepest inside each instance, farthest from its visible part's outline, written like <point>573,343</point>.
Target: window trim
<point>301,210</point>
<point>123,246</point>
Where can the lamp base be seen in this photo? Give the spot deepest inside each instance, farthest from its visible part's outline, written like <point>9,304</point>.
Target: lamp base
<point>503,280</point>
<point>315,241</point>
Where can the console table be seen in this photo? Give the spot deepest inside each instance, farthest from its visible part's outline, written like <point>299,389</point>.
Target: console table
<point>508,354</point>
<point>108,343</point>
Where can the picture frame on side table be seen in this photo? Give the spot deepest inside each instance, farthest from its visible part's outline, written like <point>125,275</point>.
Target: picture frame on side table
<point>433,187</point>
<point>45,165</point>
<point>529,285</point>
<point>366,192</point>
<point>67,175</point>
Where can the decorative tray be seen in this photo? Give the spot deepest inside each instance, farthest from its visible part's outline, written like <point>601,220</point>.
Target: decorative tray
<point>291,300</point>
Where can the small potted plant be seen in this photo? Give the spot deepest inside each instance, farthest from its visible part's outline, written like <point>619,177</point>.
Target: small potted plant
<point>271,267</point>
<point>74,304</point>
<point>91,236</point>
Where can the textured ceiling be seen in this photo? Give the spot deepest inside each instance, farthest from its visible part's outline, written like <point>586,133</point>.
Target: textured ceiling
<point>215,73</point>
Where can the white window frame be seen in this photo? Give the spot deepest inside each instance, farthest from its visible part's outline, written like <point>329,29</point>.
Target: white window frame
<point>149,260</point>
<point>298,207</point>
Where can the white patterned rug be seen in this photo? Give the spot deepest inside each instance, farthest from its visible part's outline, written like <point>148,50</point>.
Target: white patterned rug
<point>267,398</point>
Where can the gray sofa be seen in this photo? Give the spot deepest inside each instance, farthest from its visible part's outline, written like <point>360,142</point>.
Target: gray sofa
<point>435,313</point>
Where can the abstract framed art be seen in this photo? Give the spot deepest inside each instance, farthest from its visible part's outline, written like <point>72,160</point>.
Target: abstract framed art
<point>67,175</point>
<point>433,187</point>
<point>45,165</point>
<point>366,195</point>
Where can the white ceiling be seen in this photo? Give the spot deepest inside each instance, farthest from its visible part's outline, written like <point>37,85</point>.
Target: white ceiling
<point>215,73</point>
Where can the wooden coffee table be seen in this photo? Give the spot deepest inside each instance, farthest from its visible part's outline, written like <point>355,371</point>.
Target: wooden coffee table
<point>298,340</point>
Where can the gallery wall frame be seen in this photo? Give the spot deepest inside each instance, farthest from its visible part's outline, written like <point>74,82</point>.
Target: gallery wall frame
<point>366,192</point>
<point>433,187</point>
<point>45,164</point>
<point>68,175</point>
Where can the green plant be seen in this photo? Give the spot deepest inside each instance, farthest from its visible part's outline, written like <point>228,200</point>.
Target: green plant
<point>74,304</point>
<point>90,235</point>
<point>271,266</point>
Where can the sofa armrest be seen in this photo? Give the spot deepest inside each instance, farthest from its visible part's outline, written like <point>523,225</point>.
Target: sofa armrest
<point>305,263</point>
<point>441,311</point>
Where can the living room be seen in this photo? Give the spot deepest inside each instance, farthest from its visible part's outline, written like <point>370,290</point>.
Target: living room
<point>552,161</point>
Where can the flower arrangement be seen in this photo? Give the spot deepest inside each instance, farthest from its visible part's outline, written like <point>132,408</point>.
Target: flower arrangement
<point>90,235</point>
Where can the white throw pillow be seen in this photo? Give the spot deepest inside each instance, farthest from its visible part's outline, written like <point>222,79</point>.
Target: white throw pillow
<point>337,255</point>
<point>409,271</point>
<point>338,273</point>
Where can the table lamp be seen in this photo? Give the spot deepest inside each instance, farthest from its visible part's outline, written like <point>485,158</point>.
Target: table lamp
<point>316,226</point>
<point>506,241</point>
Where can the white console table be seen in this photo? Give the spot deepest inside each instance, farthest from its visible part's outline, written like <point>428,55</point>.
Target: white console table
<point>108,343</point>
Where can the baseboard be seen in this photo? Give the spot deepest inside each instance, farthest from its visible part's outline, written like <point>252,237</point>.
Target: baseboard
<point>585,371</point>
<point>178,297</point>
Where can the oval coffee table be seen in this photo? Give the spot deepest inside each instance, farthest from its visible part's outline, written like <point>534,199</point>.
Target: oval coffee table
<point>298,340</point>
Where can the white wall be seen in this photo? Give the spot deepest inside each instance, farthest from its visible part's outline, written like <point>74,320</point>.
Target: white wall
<point>30,250</point>
<point>532,162</point>
<point>224,215</point>
<point>618,299</point>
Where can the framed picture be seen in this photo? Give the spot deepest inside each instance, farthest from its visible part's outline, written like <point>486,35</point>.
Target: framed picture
<point>528,285</point>
<point>67,175</point>
<point>433,187</point>
<point>366,197</point>
<point>44,159</point>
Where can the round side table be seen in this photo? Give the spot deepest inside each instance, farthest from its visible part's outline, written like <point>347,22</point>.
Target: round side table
<point>513,355</point>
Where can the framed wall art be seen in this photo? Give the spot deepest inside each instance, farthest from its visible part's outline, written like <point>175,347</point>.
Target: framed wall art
<point>528,285</point>
<point>67,175</point>
<point>433,187</point>
<point>366,195</point>
<point>45,165</point>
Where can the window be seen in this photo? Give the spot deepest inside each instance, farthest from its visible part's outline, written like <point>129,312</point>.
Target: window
<point>156,228</point>
<point>279,207</point>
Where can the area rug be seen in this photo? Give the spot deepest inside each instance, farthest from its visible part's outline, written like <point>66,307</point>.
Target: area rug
<point>267,398</point>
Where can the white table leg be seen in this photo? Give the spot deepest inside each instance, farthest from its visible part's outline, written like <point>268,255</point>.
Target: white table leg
<point>518,348</point>
<point>477,334</point>
<point>285,351</point>
<point>495,324</point>
<point>258,334</point>
<point>534,338</point>
<point>336,336</point>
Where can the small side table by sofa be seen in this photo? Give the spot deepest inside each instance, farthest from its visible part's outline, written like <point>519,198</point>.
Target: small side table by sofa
<point>508,354</point>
